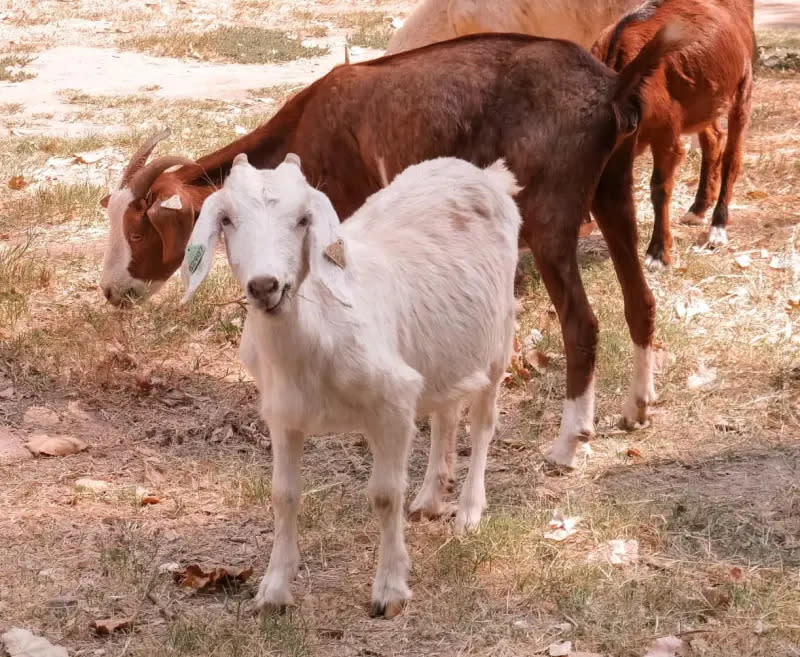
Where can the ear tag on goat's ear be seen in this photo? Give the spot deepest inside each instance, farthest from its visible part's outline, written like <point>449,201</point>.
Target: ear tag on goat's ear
<point>194,256</point>
<point>335,253</point>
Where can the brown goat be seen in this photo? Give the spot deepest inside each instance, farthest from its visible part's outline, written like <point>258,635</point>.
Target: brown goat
<point>692,89</point>
<point>564,122</point>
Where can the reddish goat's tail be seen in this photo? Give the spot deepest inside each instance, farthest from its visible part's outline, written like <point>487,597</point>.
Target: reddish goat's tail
<point>627,97</point>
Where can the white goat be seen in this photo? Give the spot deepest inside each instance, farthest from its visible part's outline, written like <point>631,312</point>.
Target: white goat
<point>580,21</point>
<point>406,309</point>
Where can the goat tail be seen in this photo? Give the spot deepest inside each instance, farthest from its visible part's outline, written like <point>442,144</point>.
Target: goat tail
<point>499,174</point>
<point>627,99</point>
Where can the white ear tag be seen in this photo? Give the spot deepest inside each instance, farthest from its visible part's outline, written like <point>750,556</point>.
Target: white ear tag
<point>194,256</point>
<point>173,203</point>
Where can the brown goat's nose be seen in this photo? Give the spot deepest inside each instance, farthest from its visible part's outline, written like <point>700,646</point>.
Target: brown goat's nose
<point>262,287</point>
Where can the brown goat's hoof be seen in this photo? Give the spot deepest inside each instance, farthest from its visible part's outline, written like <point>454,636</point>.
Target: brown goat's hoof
<point>654,264</point>
<point>691,219</point>
<point>388,610</point>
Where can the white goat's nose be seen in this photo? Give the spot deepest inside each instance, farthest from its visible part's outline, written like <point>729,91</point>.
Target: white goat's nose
<point>262,287</point>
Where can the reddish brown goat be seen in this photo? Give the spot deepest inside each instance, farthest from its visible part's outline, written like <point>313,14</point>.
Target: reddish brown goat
<point>564,122</point>
<point>689,93</point>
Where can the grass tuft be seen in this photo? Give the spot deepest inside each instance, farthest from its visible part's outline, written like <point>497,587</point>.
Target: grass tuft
<point>244,45</point>
<point>11,68</point>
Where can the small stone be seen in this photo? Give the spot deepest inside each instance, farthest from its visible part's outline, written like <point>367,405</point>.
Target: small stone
<point>95,485</point>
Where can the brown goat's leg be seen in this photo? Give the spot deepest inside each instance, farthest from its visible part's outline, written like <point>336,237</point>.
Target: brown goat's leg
<point>615,212</point>
<point>711,142</point>
<point>667,154</point>
<point>738,118</point>
<point>554,246</point>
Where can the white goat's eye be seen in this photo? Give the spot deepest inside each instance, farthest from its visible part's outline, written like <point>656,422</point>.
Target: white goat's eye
<point>226,221</point>
<point>303,221</point>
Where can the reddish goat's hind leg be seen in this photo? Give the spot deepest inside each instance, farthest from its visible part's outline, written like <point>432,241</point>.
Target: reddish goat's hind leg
<point>711,141</point>
<point>554,246</point>
<point>615,213</point>
<point>667,154</point>
<point>738,117</point>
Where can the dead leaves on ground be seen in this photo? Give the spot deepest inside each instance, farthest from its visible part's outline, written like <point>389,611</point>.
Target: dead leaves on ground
<point>668,646</point>
<point>17,183</point>
<point>211,579</point>
<point>107,626</point>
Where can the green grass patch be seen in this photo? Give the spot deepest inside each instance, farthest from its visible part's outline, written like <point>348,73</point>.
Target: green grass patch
<point>244,45</point>
<point>368,29</point>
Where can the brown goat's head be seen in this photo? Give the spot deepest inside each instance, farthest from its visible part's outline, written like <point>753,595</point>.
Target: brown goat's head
<point>151,216</point>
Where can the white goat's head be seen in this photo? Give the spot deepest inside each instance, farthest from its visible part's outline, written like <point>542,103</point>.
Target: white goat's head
<point>278,230</point>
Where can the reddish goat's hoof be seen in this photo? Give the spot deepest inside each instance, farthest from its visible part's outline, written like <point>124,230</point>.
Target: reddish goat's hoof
<point>691,219</point>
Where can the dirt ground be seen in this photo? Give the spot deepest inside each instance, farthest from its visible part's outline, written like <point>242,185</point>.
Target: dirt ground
<point>705,501</point>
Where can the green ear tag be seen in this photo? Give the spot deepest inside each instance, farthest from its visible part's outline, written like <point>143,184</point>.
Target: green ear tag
<point>194,256</point>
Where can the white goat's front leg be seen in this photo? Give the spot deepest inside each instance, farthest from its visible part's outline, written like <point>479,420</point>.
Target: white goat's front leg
<point>440,474</point>
<point>390,441</point>
<point>483,421</point>
<point>287,450</point>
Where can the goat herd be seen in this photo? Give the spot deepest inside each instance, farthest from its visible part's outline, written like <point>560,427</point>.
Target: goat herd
<point>407,309</point>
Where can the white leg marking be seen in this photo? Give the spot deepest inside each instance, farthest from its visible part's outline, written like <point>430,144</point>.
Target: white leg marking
<point>643,393</point>
<point>717,236</point>
<point>287,449</point>
<point>653,264</point>
<point>483,420</point>
<point>439,476</point>
<point>577,424</point>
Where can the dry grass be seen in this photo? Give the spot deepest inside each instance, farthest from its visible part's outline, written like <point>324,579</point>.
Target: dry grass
<point>244,45</point>
<point>712,496</point>
<point>367,29</point>
<point>12,68</point>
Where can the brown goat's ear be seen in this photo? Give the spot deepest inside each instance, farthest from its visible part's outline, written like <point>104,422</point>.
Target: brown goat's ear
<point>173,227</point>
<point>104,200</point>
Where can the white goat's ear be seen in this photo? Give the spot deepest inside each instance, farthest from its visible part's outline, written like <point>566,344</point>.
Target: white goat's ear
<point>293,158</point>
<point>200,250</point>
<point>241,158</point>
<point>327,250</point>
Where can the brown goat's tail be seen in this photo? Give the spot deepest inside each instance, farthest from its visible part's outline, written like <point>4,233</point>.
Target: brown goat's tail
<point>627,97</point>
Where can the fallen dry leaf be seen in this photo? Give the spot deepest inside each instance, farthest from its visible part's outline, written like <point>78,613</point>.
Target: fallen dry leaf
<point>210,580</point>
<point>633,453</point>
<point>22,643</point>
<point>44,445</point>
<point>736,574</point>
<point>150,499</point>
<point>702,376</point>
<point>667,646</point>
<point>562,527</point>
<point>561,649</point>
<point>617,552</point>
<point>756,194</point>
<point>107,626</point>
<point>18,182</point>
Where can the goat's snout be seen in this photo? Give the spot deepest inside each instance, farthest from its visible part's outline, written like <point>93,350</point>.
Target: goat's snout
<point>266,292</point>
<point>120,299</point>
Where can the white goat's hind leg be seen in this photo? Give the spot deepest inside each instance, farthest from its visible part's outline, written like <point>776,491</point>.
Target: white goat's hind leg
<point>483,420</point>
<point>287,450</point>
<point>440,474</point>
<point>643,393</point>
<point>390,442</point>
<point>577,424</point>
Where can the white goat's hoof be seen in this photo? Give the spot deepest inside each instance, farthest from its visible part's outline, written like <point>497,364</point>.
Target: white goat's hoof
<point>468,519</point>
<point>636,414</point>
<point>717,237</point>
<point>653,264</point>
<point>430,509</point>
<point>388,600</point>
<point>691,219</point>
<point>562,453</point>
<point>272,598</point>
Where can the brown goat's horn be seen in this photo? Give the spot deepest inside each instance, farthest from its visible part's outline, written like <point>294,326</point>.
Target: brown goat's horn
<point>143,179</point>
<point>140,156</point>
